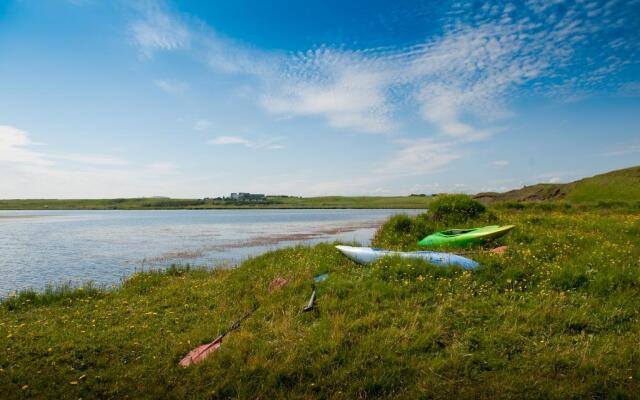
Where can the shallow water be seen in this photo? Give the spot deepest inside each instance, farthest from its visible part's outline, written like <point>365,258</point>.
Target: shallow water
<point>38,247</point>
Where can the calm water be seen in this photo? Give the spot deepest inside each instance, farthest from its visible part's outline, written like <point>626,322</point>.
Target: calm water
<point>38,247</point>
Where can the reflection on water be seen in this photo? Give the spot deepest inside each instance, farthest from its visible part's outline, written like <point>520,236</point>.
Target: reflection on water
<point>37,247</point>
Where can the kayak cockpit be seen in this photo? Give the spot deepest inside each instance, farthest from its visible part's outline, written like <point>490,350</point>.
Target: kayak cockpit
<point>456,232</point>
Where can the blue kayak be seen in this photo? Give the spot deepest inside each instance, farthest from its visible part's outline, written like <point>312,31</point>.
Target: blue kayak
<point>367,255</point>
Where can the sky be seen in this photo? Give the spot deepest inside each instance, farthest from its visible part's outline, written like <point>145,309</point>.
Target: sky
<point>204,98</point>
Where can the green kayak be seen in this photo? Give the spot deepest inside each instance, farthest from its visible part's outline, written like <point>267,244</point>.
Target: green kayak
<point>465,237</point>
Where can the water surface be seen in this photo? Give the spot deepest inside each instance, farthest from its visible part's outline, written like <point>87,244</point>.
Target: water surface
<point>38,247</point>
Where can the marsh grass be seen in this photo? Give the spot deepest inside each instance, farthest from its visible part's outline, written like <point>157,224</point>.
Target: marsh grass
<point>557,316</point>
<point>52,294</point>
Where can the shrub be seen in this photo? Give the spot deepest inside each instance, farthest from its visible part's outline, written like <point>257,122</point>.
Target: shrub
<point>402,232</point>
<point>400,224</point>
<point>455,208</point>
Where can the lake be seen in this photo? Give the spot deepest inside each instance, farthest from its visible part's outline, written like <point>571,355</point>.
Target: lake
<point>40,247</point>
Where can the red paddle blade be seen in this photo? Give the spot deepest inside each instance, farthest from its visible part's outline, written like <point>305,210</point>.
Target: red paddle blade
<point>200,353</point>
<point>499,250</point>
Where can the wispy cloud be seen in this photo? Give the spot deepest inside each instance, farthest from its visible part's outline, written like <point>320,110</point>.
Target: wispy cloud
<point>16,147</point>
<point>460,83</point>
<point>419,157</point>
<point>348,89</point>
<point>158,29</point>
<point>171,86</point>
<point>630,89</point>
<point>466,72</point>
<point>27,173</point>
<point>273,143</point>
<point>556,177</point>
<point>500,163</point>
<point>224,140</point>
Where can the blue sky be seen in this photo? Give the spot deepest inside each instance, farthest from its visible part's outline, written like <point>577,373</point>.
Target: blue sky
<point>194,99</point>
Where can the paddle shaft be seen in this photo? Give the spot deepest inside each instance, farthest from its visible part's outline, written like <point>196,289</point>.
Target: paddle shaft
<point>236,324</point>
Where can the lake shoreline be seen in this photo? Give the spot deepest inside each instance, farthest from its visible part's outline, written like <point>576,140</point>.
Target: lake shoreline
<point>43,246</point>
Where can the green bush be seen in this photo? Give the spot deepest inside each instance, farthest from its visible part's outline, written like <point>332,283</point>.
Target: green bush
<point>455,208</point>
<point>402,232</point>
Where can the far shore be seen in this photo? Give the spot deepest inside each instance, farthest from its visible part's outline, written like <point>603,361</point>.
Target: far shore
<point>270,202</point>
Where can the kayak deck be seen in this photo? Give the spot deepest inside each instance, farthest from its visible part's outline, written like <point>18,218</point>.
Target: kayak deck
<point>465,237</point>
<point>367,255</point>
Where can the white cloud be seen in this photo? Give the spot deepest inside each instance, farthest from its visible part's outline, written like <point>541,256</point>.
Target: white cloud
<point>419,157</point>
<point>345,88</point>
<point>224,140</point>
<point>269,144</point>
<point>556,176</point>
<point>26,173</point>
<point>16,147</point>
<point>500,163</point>
<point>171,86</point>
<point>158,29</point>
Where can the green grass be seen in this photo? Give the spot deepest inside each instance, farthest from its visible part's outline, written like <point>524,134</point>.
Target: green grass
<point>616,186</point>
<point>558,316</point>
<point>276,202</point>
<point>611,189</point>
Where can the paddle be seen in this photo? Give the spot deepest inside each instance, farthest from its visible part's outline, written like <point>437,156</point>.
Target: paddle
<point>312,300</point>
<point>201,352</point>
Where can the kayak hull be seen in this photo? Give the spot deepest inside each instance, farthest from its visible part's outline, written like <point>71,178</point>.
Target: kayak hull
<point>367,255</point>
<point>465,237</point>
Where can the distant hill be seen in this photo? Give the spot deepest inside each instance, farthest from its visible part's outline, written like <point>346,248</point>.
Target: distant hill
<point>620,185</point>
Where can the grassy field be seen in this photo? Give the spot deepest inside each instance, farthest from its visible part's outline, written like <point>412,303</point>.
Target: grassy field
<point>557,316</point>
<point>271,202</point>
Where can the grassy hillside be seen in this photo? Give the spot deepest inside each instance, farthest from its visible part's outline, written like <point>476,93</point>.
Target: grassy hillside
<point>164,203</point>
<point>615,186</point>
<point>621,185</point>
<point>557,316</point>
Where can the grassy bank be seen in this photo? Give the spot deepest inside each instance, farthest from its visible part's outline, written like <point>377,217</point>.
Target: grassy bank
<point>558,316</point>
<point>276,202</point>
